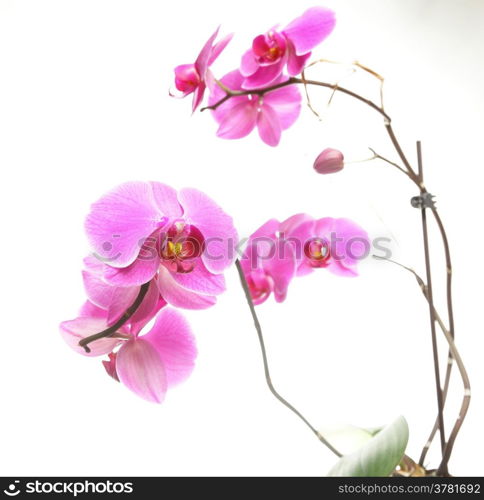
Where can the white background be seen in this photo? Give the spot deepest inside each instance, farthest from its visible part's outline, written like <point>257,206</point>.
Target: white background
<point>84,106</point>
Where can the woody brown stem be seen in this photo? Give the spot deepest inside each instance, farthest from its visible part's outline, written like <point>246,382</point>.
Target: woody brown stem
<point>453,354</point>
<point>430,300</point>
<point>109,332</point>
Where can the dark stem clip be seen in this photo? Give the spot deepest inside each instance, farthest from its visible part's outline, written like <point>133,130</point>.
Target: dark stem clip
<point>424,200</point>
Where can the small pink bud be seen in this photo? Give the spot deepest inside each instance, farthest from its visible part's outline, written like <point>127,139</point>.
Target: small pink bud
<point>329,161</point>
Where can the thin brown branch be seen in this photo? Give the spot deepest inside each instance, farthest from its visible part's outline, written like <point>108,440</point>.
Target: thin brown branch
<point>435,352</point>
<point>386,160</point>
<point>297,81</point>
<point>460,365</point>
<point>417,178</point>
<point>258,328</point>
<point>112,330</point>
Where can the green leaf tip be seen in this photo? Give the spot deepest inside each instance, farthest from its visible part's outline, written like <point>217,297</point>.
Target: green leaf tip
<point>379,456</point>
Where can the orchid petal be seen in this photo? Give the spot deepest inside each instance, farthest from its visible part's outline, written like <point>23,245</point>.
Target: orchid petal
<point>239,121</point>
<point>232,81</point>
<point>151,304</point>
<point>166,199</point>
<point>310,29</point>
<point>120,220</point>
<point>93,264</point>
<point>142,270</point>
<point>295,63</point>
<point>298,236</point>
<point>202,61</point>
<point>351,242</point>
<point>198,95</point>
<point>282,268</point>
<point>265,75</point>
<point>261,246</point>
<point>97,290</point>
<point>304,268</point>
<point>248,64</point>
<point>338,268</point>
<point>323,227</point>
<point>269,126</point>
<point>122,299</point>
<point>179,296</point>
<point>173,339</point>
<point>219,47</point>
<point>90,310</point>
<point>286,102</point>
<point>201,280</point>
<point>216,227</point>
<point>77,329</point>
<point>140,368</point>
<point>292,222</point>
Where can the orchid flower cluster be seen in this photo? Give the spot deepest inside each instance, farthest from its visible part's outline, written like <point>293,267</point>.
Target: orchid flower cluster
<point>273,58</point>
<point>156,250</point>
<point>151,257</point>
<point>262,92</point>
<point>278,252</point>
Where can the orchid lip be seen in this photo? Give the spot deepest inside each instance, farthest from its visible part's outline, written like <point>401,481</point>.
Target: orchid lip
<point>269,48</point>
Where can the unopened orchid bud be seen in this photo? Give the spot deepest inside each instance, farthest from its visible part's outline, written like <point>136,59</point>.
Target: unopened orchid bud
<point>329,161</point>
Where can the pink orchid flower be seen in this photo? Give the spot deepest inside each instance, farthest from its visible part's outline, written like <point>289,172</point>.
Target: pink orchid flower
<point>268,263</point>
<point>271,52</point>
<point>148,365</point>
<point>335,244</point>
<point>238,116</point>
<point>193,78</point>
<point>147,231</point>
<point>278,252</point>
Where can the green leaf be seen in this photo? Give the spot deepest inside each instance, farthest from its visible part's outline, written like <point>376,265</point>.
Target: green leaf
<point>378,456</point>
<point>347,438</point>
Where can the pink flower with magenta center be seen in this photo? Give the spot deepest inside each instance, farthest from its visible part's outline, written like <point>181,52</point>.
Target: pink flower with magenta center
<point>335,244</point>
<point>271,114</point>
<point>147,232</point>
<point>193,78</point>
<point>278,252</point>
<point>291,47</point>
